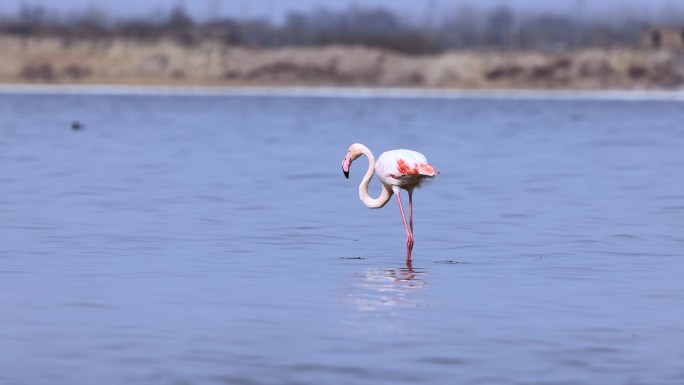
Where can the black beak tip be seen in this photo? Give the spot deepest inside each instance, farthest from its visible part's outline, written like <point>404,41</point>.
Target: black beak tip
<point>346,174</point>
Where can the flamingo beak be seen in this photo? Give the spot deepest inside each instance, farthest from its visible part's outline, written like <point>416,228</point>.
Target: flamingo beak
<point>346,164</point>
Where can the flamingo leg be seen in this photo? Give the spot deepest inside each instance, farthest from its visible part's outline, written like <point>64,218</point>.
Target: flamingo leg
<point>409,231</point>
<point>410,193</point>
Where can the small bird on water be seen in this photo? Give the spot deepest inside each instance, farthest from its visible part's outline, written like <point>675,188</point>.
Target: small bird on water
<point>397,170</point>
<point>77,126</point>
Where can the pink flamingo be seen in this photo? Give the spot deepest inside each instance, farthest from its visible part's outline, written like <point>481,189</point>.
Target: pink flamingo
<point>396,169</point>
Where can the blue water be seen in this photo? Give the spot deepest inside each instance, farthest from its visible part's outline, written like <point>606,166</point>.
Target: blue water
<point>214,240</point>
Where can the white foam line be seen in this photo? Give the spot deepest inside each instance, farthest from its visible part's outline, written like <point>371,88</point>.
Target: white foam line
<point>343,92</point>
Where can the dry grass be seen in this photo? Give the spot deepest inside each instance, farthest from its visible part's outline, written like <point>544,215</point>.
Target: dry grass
<point>117,61</point>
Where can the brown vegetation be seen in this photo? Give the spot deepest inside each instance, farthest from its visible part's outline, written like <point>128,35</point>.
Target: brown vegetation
<point>467,48</point>
<point>126,61</point>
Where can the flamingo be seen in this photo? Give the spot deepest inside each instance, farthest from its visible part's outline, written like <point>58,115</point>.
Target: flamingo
<point>397,170</point>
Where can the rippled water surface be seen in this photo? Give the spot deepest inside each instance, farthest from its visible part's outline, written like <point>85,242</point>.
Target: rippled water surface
<point>214,240</point>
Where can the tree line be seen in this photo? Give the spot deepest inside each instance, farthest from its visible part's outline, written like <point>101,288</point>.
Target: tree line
<point>465,27</point>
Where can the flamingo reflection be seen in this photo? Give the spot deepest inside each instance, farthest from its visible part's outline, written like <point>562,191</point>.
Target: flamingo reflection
<point>377,289</point>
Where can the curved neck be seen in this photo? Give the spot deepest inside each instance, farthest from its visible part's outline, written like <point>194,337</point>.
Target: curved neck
<point>385,194</point>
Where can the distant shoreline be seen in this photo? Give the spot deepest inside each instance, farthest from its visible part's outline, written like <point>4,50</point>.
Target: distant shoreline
<point>342,92</point>
<point>52,61</point>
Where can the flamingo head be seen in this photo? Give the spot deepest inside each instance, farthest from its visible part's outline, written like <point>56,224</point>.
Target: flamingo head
<point>355,151</point>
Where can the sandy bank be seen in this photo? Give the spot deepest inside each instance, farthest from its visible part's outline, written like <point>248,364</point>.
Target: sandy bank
<point>127,62</point>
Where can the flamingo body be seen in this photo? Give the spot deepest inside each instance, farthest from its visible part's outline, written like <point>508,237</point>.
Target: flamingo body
<point>405,169</point>
<point>397,170</point>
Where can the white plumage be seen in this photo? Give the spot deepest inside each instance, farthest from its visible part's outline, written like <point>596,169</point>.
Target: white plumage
<point>403,168</point>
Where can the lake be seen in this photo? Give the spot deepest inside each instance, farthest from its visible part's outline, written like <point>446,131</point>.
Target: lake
<point>211,238</point>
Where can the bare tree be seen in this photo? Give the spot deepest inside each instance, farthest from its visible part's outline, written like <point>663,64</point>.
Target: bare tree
<point>464,27</point>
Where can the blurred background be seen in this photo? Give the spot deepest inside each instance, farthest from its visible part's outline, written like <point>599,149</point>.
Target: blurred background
<point>409,43</point>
